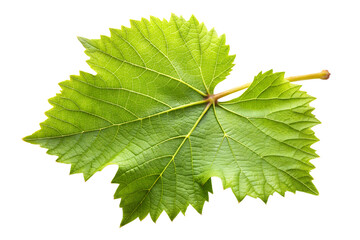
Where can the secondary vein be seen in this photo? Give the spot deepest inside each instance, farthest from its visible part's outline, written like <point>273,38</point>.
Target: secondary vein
<point>171,160</point>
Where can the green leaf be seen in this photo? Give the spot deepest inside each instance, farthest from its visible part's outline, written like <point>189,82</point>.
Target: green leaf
<point>146,111</point>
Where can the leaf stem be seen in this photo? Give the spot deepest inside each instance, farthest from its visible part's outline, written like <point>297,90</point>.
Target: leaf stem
<point>324,74</point>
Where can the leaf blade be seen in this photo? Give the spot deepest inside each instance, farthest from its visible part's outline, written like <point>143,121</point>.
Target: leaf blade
<point>146,111</point>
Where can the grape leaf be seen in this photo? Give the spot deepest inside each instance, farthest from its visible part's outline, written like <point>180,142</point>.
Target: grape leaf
<point>147,110</point>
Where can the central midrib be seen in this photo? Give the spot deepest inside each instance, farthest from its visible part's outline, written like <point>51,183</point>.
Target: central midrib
<point>124,123</point>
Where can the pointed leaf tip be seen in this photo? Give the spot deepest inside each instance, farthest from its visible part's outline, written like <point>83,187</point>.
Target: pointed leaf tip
<point>87,43</point>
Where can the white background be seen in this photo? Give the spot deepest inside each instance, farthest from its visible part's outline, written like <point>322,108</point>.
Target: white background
<point>39,200</point>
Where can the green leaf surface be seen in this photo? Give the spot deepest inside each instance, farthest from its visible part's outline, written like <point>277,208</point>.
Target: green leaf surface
<point>146,111</point>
